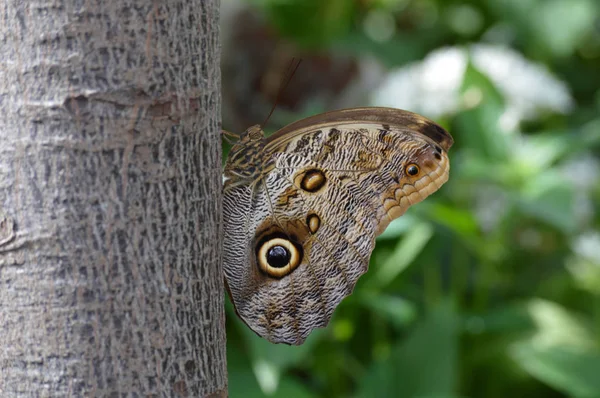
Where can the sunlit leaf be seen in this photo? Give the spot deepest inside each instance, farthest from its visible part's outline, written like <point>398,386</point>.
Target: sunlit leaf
<point>573,371</point>
<point>397,310</point>
<point>398,227</point>
<point>556,325</point>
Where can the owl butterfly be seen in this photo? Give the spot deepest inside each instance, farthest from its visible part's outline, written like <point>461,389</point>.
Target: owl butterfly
<point>302,209</point>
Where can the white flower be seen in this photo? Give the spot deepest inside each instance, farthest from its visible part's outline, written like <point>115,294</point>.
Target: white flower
<point>432,87</point>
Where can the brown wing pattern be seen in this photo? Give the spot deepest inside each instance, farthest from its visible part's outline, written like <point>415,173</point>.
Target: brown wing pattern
<point>299,235</point>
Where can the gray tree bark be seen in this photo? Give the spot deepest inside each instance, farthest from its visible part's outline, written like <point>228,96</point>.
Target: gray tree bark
<point>110,198</point>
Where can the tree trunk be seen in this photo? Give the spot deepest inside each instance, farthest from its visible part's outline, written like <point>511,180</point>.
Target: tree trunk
<point>110,198</point>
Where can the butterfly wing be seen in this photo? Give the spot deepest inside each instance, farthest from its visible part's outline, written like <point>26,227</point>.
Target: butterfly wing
<point>372,146</point>
<point>386,117</point>
<point>298,238</point>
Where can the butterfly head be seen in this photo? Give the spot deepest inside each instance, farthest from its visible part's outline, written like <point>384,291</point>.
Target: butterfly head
<point>245,157</point>
<point>253,134</point>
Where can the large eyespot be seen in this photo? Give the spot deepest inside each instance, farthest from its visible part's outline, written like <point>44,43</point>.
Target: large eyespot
<point>278,256</point>
<point>312,180</point>
<point>412,170</point>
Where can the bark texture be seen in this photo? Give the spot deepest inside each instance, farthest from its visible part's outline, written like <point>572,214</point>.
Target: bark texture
<point>110,197</point>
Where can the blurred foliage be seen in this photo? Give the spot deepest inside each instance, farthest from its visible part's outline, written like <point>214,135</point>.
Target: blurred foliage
<point>491,287</point>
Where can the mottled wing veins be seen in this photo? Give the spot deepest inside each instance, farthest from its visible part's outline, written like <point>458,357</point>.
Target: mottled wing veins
<point>372,193</point>
<point>235,184</point>
<point>334,228</point>
<point>376,142</point>
<point>322,198</point>
<point>387,161</point>
<point>268,318</point>
<point>293,293</point>
<point>307,208</point>
<point>272,208</point>
<point>384,158</point>
<point>317,283</point>
<point>403,139</point>
<point>359,171</point>
<point>318,165</point>
<point>335,261</point>
<point>364,260</point>
<point>247,231</point>
<point>350,132</point>
<point>379,196</point>
<point>396,134</point>
<point>294,307</point>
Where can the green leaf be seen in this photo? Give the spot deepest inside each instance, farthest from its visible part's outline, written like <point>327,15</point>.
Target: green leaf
<point>563,352</point>
<point>479,126</point>
<point>590,134</point>
<point>461,222</point>
<point>423,365</point>
<point>404,254</point>
<point>269,361</point>
<point>550,198</point>
<point>570,370</point>
<point>243,383</point>
<point>397,310</point>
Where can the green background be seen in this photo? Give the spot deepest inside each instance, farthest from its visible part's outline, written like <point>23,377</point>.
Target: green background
<point>490,287</point>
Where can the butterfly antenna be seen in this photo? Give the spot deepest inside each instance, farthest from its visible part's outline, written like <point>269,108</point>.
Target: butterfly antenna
<point>294,64</point>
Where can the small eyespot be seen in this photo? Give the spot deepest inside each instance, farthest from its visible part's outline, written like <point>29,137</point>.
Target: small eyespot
<point>412,170</point>
<point>314,223</point>
<point>278,257</point>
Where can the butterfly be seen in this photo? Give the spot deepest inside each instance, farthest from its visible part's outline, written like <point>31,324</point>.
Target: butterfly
<point>302,209</point>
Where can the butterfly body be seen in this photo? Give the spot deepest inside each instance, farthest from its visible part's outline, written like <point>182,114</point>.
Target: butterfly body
<point>302,209</point>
